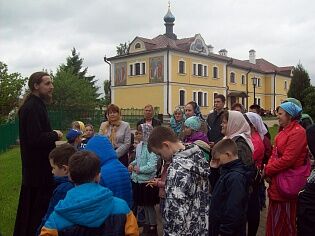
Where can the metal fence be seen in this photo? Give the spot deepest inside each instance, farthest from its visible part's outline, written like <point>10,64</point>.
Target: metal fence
<point>62,119</point>
<point>9,132</point>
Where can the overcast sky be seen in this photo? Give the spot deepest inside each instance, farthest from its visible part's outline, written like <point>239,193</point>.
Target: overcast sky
<point>40,34</point>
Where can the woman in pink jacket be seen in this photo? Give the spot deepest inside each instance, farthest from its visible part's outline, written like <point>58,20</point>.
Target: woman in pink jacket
<point>290,151</point>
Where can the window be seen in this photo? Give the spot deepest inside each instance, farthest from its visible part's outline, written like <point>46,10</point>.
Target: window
<point>205,70</point>
<point>138,45</point>
<point>215,72</point>
<point>285,85</point>
<point>205,99</point>
<point>214,95</point>
<point>194,96</point>
<point>181,67</point>
<point>200,97</point>
<point>232,77</point>
<point>194,69</point>
<point>243,79</point>
<point>143,68</point>
<point>258,82</point>
<point>200,70</point>
<point>181,97</point>
<point>137,68</point>
<point>257,101</point>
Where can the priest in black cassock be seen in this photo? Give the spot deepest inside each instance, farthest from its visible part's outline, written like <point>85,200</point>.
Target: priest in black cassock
<point>37,139</point>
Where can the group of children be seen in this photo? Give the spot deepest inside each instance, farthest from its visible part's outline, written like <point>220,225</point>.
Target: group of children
<point>97,195</point>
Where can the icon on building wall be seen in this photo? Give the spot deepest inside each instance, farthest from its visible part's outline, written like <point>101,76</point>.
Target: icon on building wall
<point>156,70</point>
<point>120,74</point>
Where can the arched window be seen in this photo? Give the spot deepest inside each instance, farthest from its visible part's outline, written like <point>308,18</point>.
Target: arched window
<point>232,77</point>
<point>137,46</point>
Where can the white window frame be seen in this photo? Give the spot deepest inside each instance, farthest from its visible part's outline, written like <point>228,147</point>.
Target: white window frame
<point>134,68</point>
<point>234,77</point>
<point>243,82</point>
<point>184,97</point>
<point>217,72</point>
<point>205,99</point>
<point>184,72</point>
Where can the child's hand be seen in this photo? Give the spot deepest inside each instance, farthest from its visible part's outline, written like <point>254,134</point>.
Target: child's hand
<point>130,168</point>
<point>152,183</point>
<point>136,169</point>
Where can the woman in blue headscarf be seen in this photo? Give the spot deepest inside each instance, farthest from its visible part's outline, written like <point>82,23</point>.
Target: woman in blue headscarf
<point>177,120</point>
<point>289,152</point>
<point>193,109</point>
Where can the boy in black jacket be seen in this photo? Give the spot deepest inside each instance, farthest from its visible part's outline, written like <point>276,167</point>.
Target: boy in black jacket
<point>227,214</point>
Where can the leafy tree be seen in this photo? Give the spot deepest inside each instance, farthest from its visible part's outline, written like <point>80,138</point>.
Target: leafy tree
<point>309,101</point>
<point>122,49</point>
<point>11,85</point>
<point>300,81</point>
<point>71,92</point>
<point>107,92</point>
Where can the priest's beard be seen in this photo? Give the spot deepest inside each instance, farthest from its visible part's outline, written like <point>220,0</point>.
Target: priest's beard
<point>46,98</point>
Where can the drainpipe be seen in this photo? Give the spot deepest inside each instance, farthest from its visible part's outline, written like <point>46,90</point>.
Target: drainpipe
<point>226,79</point>
<point>167,82</point>
<point>274,90</point>
<point>247,87</point>
<point>110,79</point>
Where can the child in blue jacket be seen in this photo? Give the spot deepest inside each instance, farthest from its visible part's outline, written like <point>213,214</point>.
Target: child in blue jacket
<point>59,159</point>
<point>89,208</point>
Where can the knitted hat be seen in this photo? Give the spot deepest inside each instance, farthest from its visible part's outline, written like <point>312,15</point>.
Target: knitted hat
<point>193,122</point>
<point>291,108</point>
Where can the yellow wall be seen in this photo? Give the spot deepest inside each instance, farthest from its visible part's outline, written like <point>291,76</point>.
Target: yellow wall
<point>280,85</point>
<point>138,97</point>
<point>188,77</point>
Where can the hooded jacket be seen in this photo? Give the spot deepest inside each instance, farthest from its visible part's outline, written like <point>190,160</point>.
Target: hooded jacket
<point>187,194</point>
<point>90,209</point>
<point>197,135</point>
<point>229,200</point>
<point>63,186</point>
<point>114,175</point>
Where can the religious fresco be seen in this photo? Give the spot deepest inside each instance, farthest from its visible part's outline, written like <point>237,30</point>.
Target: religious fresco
<point>120,77</point>
<point>156,70</point>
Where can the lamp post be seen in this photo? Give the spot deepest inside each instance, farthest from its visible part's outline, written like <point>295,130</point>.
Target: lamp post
<point>110,79</point>
<point>254,80</point>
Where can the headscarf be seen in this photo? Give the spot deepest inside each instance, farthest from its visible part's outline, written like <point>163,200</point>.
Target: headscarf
<point>291,108</point>
<point>193,122</point>
<point>109,128</point>
<point>238,126</point>
<point>257,122</point>
<point>146,131</point>
<point>177,125</point>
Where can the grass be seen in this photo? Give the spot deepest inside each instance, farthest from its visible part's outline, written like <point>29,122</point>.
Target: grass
<point>10,183</point>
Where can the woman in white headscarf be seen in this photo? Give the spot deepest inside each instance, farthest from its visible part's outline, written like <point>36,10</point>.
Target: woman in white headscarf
<point>258,131</point>
<point>235,127</point>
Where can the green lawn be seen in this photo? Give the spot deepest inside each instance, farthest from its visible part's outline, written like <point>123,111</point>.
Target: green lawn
<point>10,181</point>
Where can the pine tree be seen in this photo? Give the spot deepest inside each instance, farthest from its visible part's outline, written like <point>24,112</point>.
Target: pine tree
<point>72,83</point>
<point>300,81</point>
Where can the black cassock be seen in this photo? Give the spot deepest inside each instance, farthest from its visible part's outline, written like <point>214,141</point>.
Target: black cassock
<point>37,139</point>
